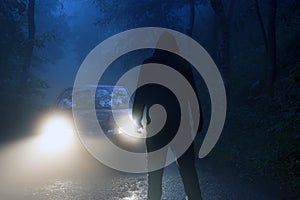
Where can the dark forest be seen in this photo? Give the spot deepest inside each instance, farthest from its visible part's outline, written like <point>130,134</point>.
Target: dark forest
<point>254,43</point>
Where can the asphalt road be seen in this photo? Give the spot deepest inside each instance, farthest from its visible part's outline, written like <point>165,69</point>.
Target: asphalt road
<point>29,172</point>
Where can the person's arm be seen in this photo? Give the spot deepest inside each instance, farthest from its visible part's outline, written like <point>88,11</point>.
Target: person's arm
<point>193,84</point>
<point>138,109</point>
<point>138,105</point>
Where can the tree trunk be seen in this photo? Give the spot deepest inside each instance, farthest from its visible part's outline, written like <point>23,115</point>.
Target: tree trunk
<point>261,23</point>
<point>192,18</point>
<point>28,50</point>
<point>223,49</point>
<point>271,51</point>
<point>269,38</point>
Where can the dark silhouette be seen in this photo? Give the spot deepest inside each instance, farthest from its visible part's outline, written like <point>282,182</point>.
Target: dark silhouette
<point>151,94</point>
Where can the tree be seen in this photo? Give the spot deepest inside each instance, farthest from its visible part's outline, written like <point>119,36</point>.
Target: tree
<point>269,38</point>
<point>223,49</point>
<point>192,18</point>
<point>11,19</point>
<point>149,13</point>
<point>28,50</point>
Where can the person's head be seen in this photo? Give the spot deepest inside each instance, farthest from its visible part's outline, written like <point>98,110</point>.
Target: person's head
<point>168,41</point>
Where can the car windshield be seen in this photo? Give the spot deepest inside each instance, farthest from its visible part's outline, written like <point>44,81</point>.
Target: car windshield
<point>111,97</point>
<point>106,97</point>
<point>65,99</point>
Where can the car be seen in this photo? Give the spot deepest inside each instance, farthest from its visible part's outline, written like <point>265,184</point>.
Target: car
<point>109,100</point>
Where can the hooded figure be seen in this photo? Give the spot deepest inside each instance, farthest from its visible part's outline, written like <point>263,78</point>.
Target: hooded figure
<point>151,94</point>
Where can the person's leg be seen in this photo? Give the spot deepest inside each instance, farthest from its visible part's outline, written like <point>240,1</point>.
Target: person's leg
<point>155,177</point>
<point>187,169</point>
<point>155,184</point>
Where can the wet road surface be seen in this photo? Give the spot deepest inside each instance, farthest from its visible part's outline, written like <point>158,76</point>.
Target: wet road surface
<point>27,172</point>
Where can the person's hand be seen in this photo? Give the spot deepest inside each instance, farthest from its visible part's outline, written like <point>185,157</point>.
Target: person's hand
<point>139,128</point>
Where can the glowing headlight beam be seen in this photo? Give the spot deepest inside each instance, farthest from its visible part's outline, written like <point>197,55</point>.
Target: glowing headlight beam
<point>56,133</point>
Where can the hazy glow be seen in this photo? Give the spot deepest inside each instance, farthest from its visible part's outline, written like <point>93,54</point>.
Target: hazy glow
<point>56,134</point>
<point>128,126</point>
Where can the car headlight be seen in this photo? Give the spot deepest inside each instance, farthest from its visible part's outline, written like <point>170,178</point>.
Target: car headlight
<point>56,133</point>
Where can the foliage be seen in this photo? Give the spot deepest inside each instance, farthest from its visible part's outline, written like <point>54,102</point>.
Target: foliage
<point>13,42</point>
<point>16,105</point>
<point>262,136</point>
<point>144,13</point>
<point>286,124</point>
<point>285,131</point>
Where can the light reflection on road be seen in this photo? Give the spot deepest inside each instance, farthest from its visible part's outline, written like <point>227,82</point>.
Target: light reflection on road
<point>29,174</point>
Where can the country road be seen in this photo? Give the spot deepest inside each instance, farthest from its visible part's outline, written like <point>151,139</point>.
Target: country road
<point>28,172</point>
